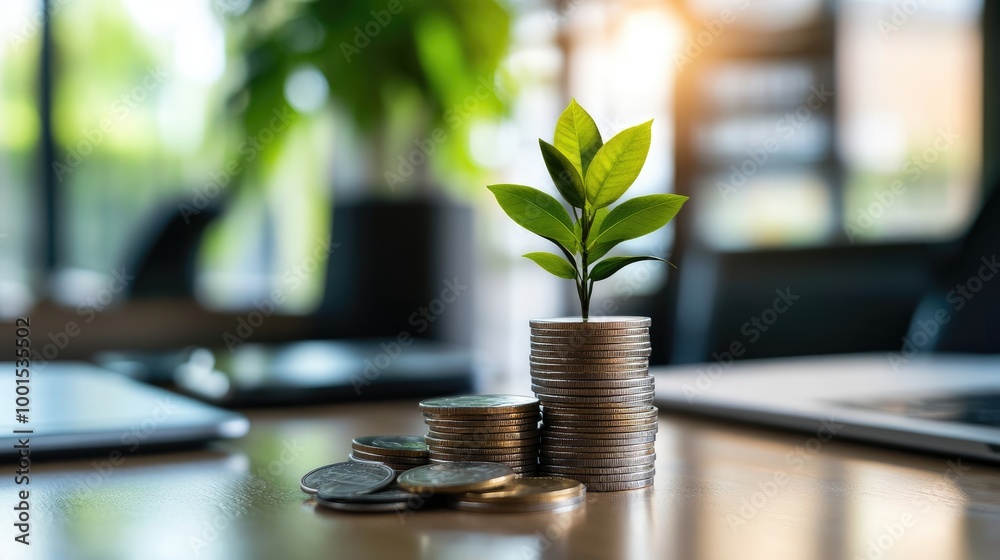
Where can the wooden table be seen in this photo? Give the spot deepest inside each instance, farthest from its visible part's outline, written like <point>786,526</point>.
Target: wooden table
<point>722,491</point>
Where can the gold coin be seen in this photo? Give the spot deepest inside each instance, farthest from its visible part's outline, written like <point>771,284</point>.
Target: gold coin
<point>537,489</point>
<point>559,506</point>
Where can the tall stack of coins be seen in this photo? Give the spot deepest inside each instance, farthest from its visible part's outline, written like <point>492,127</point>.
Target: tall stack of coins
<point>492,428</point>
<point>400,453</point>
<point>592,380</point>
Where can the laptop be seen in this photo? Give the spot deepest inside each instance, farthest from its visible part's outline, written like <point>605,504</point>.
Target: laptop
<point>942,403</point>
<point>73,408</point>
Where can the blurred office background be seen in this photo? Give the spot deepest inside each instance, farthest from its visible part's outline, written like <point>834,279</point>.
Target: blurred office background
<point>833,149</point>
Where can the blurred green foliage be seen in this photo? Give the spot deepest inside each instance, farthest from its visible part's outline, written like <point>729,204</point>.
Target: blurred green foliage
<point>399,70</point>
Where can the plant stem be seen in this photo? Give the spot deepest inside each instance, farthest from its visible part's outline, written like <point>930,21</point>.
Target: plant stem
<point>585,263</point>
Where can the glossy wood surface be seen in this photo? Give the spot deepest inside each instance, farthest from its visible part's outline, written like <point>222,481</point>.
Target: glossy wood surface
<point>721,491</point>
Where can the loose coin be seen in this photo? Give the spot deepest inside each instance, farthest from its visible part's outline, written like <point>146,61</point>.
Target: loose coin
<point>391,494</point>
<point>456,477</point>
<point>478,404</point>
<point>537,489</point>
<point>348,478</point>
<point>407,446</point>
<point>526,507</point>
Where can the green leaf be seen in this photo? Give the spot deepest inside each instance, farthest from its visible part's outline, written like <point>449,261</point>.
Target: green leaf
<point>599,250</point>
<point>536,212</point>
<point>577,137</point>
<point>617,164</point>
<point>564,175</point>
<point>637,217</point>
<point>611,265</point>
<point>553,264</point>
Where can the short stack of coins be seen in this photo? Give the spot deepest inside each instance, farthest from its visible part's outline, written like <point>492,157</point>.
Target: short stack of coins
<point>401,453</point>
<point>598,419</point>
<point>492,428</point>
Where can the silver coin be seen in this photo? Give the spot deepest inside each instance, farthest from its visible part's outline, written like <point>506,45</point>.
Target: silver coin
<point>599,333</point>
<point>456,477</point>
<point>475,431</point>
<point>639,437</point>
<point>591,324</point>
<point>569,472</point>
<point>594,453</point>
<point>615,477</point>
<point>587,371</point>
<point>593,383</point>
<point>622,362</point>
<point>364,508</point>
<point>408,446</point>
<point>618,486</point>
<point>546,462</point>
<point>592,347</point>
<point>478,404</point>
<point>585,340</point>
<point>487,436</point>
<point>590,391</point>
<point>556,428</point>
<point>348,479</point>
<point>390,494</point>
<point>587,414</point>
